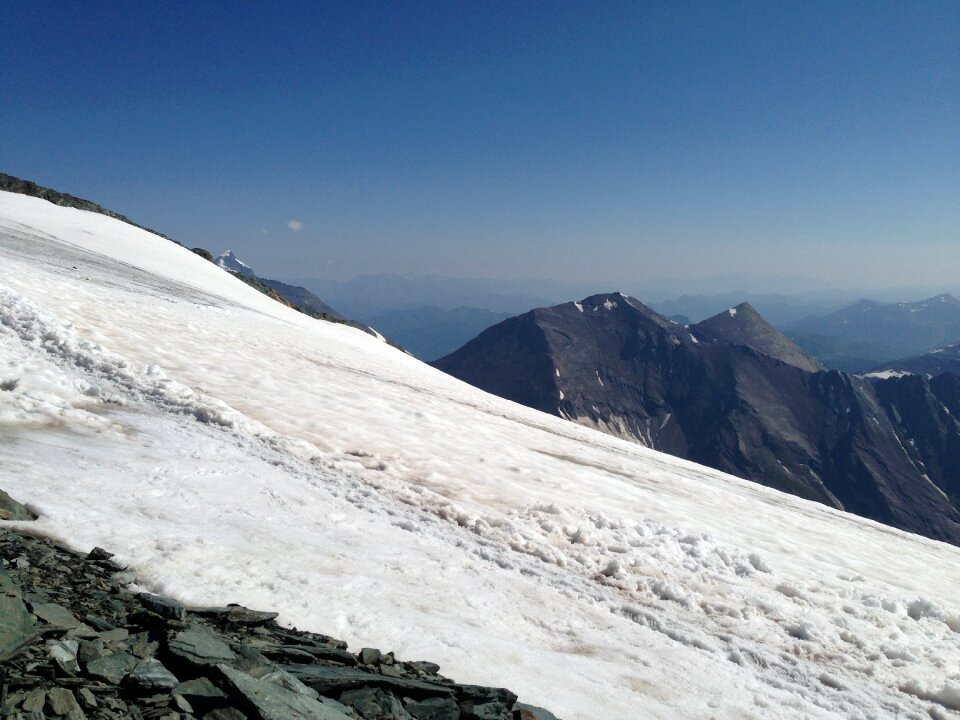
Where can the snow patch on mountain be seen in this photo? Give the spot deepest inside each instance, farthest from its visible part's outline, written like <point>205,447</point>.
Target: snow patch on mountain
<point>229,261</point>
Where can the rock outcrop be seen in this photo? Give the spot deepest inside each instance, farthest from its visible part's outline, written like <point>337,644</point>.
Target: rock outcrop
<point>77,642</point>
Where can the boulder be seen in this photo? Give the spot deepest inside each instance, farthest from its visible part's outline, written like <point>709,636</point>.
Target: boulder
<point>17,627</point>
<point>162,606</point>
<point>10,509</point>
<point>200,647</point>
<point>273,702</point>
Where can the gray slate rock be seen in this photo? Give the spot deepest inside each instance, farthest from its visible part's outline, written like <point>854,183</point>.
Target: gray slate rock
<point>87,698</point>
<point>34,701</point>
<point>163,606</point>
<point>310,652</point>
<point>370,656</point>
<point>152,675</point>
<point>64,653</point>
<point>17,627</point>
<point>90,650</point>
<point>328,679</point>
<point>236,615</point>
<point>227,713</point>
<point>375,704</point>
<point>61,702</point>
<point>283,679</point>
<point>55,616</point>
<point>10,509</point>
<point>202,695</point>
<point>98,553</point>
<point>485,711</point>
<point>273,702</point>
<point>113,667</point>
<point>434,708</point>
<point>201,647</point>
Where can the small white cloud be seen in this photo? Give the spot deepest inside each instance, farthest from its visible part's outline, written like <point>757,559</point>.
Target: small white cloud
<point>295,225</point>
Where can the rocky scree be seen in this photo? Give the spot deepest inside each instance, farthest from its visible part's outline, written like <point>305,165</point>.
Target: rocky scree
<point>77,642</point>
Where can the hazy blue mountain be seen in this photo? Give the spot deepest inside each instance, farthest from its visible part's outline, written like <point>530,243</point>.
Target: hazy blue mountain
<point>867,333</point>
<point>368,296</point>
<point>777,309</point>
<point>430,333</point>
<point>303,299</point>
<point>929,364</point>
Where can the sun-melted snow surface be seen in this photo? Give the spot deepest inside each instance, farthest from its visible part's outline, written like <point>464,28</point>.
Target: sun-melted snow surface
<point>232,449</point>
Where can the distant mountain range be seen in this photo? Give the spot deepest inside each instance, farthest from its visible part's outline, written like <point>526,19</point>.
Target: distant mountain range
<point>734,393</point>
<point>862,336</point>
<point>366,297</point>
<point>779,310</point>
<point>929,364</point>
<point>429,333</point>
<point>296,297</point>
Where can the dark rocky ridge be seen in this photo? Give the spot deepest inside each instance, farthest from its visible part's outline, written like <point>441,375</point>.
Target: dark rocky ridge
<point>734,396</point>
<point>17,185</point>
<point>77,642</point>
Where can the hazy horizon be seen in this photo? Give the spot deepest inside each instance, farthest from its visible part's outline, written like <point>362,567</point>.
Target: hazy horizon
<point>599,144</point>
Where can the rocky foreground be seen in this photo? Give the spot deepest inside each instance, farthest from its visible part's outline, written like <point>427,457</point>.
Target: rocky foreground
<point>77,642</point>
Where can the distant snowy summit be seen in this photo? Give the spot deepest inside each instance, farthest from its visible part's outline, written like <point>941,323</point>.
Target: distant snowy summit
<point>229,261</point>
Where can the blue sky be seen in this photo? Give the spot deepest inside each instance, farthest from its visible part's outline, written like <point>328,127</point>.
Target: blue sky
<point>591,142</point>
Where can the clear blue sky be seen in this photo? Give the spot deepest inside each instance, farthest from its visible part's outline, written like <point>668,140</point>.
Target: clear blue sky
<point>608,142</point>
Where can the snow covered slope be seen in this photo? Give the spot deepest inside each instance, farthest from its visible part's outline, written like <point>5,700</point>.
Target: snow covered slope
<point>233,449</point>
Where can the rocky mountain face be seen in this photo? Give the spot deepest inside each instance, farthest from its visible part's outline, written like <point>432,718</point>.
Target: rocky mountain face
<point>9,183</point>
<point>734,394</point>
<point>866,334</point>
<point>76,641</point>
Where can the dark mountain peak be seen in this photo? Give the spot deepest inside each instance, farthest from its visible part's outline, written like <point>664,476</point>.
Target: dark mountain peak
<point>603,304</point>
<point>743,325</point>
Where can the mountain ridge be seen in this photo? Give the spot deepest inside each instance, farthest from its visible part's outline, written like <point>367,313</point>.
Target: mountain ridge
<point>867,333</point>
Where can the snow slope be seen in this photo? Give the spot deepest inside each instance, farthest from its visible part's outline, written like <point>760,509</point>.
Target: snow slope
<point>233,449</point>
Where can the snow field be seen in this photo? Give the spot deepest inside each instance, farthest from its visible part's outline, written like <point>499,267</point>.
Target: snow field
<point>235,450</point>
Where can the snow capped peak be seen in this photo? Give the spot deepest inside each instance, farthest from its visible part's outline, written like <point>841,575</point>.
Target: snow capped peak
<point>733,312</point>
<point>229,261</point>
